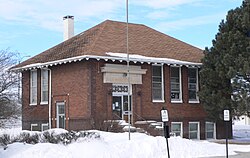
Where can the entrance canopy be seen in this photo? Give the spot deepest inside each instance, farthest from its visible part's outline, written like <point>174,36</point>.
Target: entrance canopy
<point>116,73</point>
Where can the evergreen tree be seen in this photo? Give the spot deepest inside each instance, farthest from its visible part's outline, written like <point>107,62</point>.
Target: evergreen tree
<point>226,66</point>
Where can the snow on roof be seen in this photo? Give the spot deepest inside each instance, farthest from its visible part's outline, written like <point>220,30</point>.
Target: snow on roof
<point>113,57</point>
<point>152,59</point>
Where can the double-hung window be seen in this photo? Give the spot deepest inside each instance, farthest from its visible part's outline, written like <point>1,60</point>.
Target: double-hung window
<point>193,85</point>
<point>157,83</point>
<point>44,86</point>
<point>33,87</point>
<point>175,79</point>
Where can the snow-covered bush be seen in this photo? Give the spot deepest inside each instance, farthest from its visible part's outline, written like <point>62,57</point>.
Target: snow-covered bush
<point>27,137</point>
<point>55,136</point>
<point>5,140</point>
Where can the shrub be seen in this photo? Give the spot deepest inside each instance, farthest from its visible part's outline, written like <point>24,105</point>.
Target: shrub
<point>48,136</point>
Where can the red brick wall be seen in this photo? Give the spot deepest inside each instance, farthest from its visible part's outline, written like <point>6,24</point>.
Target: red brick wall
<point>89,100</point>
<point>70,84</point>
<point>32,114</point>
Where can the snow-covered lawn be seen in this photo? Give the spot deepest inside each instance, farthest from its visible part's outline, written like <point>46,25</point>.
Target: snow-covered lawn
<point>117,145</point>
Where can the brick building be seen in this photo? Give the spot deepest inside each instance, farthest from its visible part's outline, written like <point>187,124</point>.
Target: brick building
<point>83,81</point>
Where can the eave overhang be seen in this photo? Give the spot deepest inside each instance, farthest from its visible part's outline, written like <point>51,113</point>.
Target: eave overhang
<point>114,57</point>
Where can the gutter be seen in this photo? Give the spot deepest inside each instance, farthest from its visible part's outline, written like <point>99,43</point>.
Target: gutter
<point>114,57</point>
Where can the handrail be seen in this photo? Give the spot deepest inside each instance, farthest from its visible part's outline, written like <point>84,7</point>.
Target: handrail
<point>139,116</point>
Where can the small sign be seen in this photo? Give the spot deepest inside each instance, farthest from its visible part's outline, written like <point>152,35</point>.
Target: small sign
<point>226,115</point>
<point>164,115</point>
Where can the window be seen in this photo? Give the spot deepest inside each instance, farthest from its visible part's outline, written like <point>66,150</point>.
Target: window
<point>210,130</point>
<point>33,87</point>
<point>34,127</point>
<point>157,83</point>
<point>44,86</point>
<point>194,130</point>
<point>192,84</point>
<point>175,79</point>
<point>45,126</point>
<point>176,128</point>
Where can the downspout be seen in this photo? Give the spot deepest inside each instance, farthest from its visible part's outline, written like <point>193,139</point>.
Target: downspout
<point>50,85</point>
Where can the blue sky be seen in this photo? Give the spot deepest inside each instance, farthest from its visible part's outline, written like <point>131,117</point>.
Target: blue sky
<point>32,26</point>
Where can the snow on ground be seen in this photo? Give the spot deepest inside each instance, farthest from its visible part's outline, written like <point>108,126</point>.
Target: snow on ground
<point>117,145</point>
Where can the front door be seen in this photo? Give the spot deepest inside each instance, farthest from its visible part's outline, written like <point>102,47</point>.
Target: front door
<point>117,106</point>
<point>126,112</point>
<point>120,106</point>
<point>60,115</point>
<point>120,100</point>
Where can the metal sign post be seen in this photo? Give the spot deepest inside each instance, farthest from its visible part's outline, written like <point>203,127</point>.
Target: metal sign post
<point>164,117</point>
<point>226,119</point>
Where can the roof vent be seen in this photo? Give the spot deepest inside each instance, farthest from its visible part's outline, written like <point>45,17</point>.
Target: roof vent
<point>68,24</point>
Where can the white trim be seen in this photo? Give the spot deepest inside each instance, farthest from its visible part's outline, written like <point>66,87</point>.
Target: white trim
<point>32,125</point>
<point>31,89</point>
<point>162,84</point>
<point>180,83</point>
<point>198,130</point>
<point>194,101</point>
<point>181,134</point>
<point>44,103</point>
<point>118,57</point>
<point>176,101</point>
<point>44,124</point>
<point>158,101</point>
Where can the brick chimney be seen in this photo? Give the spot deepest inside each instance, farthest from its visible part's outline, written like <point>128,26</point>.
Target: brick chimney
<point>68,27</point>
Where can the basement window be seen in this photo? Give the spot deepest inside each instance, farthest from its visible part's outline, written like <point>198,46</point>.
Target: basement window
<point>34,127</point>
<point>176,128</point>
<point>210,130</point>
<point>45,126</point>
<point>194,130</point>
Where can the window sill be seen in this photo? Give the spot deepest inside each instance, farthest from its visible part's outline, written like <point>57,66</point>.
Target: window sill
<point>194,101</point>
<point>44,103</point>
<point>158,101</point>
<point>176,101</point>
<point>33,104</point>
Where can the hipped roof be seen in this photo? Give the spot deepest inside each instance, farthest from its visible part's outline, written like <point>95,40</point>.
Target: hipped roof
<point>110,36</point>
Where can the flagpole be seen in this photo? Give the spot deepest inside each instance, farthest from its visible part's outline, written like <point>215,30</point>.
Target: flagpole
<point>128,75</point>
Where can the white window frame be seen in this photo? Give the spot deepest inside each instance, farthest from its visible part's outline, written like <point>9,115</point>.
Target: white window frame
<point>214,132</point>
<point>42,101</point>
<point>43,125</point>
<point>180,83</point>
<point>31,87</point>
<point>162,84</point>
<point>198,130</point>
<point>181,134</point>
<point>33,125</point>
<point>197,87</point>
